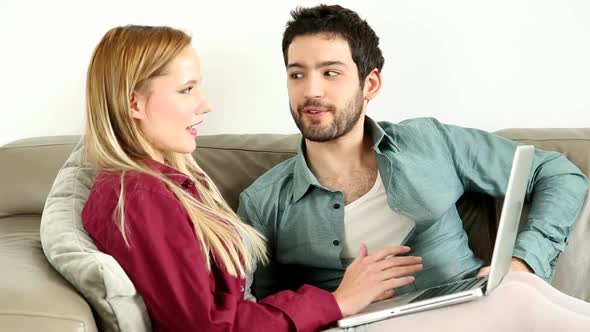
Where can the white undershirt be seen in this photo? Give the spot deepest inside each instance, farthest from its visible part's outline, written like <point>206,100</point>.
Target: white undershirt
<point>369,220</point>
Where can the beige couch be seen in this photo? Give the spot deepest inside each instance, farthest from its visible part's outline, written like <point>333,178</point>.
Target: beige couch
<point>34,297</point>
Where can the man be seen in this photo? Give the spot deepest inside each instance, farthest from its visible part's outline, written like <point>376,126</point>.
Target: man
<point>359,181</point>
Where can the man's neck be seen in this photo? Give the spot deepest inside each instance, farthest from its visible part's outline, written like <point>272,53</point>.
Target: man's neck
<point>343,156</point>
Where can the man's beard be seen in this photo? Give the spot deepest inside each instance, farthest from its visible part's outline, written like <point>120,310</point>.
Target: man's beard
<point>343,122</point>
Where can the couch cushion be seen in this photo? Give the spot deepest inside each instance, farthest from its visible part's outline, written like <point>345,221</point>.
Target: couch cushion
<point>33,297</point>
<point>99,278</point>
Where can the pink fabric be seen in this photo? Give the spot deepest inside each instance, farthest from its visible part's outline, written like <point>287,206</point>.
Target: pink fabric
<point>522,302</point>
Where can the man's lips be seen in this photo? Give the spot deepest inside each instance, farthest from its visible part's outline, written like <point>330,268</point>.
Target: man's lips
<point>314,109</point>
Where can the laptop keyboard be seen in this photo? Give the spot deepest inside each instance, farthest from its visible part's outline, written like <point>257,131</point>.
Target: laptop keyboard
<point>447,289</point>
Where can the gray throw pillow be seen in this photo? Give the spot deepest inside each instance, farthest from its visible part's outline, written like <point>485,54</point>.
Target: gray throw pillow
<point>97,276</point>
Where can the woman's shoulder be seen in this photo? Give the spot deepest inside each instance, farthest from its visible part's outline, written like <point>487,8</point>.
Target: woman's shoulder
<point>106,190</point>
<point>133,181</point>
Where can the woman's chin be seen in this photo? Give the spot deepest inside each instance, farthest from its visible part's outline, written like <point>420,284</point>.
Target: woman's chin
<point>182,150</point>
<point>189,148</point>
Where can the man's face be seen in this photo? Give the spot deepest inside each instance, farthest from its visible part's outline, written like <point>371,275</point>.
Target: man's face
<point>325,96</point>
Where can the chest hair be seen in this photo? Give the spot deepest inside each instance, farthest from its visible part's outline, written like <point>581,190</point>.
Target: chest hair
<point>353,184</point>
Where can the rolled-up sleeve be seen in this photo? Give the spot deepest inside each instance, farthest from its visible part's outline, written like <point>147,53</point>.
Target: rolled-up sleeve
<point>556,189</point>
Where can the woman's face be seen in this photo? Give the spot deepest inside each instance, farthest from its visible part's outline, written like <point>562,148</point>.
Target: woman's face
<point>169,112</point>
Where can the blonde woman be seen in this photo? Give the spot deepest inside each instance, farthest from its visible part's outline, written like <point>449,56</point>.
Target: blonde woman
<point>159,215</point>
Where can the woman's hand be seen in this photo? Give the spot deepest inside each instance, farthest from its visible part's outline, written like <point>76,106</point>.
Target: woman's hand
<point>369,277</point>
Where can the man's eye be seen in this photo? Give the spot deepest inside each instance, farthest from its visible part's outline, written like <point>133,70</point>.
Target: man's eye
<point>187,90</point>
<point>296,75</point>
<point>331,73</point>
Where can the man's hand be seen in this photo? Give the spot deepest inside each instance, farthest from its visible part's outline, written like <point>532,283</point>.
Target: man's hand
<point>516,264</point>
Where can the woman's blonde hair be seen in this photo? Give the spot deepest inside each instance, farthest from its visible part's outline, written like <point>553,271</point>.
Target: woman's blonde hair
<point>124,61</point>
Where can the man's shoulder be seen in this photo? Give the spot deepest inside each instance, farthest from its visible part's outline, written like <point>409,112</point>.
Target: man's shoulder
<point>410,124</point>
<point>410,131</point>
<point>272,179</point>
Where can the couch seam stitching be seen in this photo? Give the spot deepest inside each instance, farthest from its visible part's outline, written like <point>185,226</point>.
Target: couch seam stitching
<point>12,147</point>
<point>45,316</point>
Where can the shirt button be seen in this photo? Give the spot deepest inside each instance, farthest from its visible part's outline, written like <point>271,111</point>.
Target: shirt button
<point>335,242</point>
<point>336,205</point>
<point>242,289</point>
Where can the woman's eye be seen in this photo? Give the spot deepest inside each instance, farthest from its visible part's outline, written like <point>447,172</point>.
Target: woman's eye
<point>187,90</point>
<point>296,75</point>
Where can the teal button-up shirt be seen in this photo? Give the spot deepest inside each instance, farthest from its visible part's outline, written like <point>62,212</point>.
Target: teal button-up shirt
<point>425,166</point>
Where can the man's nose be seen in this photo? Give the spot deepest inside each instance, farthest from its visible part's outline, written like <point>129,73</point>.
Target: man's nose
<point>314,88</point>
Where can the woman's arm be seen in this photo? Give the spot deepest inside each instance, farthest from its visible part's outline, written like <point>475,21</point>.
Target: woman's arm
<point>166,264</point>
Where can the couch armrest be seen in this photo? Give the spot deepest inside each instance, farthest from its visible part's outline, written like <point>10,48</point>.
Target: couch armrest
<point>33,296</point>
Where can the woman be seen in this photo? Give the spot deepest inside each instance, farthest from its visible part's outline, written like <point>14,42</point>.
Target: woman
<point>160,216</point>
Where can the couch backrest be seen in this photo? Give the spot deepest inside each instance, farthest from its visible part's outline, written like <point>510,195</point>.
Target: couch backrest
<point>29,166</point>
<point>234,161</point>
<point>27,170</point>
<point>573,143</point>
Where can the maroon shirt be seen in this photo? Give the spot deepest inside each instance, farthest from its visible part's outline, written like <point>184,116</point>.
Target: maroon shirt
<point>165,262</point>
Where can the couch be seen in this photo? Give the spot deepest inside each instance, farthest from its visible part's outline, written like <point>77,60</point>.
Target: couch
<point>34,297</point>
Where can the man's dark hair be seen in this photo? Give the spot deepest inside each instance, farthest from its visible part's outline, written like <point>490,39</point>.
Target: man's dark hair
<point>339,22</point>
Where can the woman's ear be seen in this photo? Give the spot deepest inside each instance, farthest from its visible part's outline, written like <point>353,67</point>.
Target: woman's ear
<point>137,106</point>
<point>372,84</point>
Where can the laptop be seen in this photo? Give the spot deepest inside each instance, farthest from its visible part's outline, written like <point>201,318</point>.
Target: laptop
<point>468,289</point>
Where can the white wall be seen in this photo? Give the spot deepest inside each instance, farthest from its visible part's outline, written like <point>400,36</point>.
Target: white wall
<point>487,64</point>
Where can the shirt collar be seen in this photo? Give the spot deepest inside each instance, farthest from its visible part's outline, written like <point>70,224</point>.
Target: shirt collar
<point>171,173</point>
<point>304,178</point>
<point>377,133</point>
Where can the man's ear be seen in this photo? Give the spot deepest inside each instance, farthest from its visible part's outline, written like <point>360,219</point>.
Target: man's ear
<point>372,84</point>
<point>137,106</point>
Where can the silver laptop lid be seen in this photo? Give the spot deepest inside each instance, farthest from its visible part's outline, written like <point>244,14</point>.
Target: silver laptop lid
<point>510,216</point>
